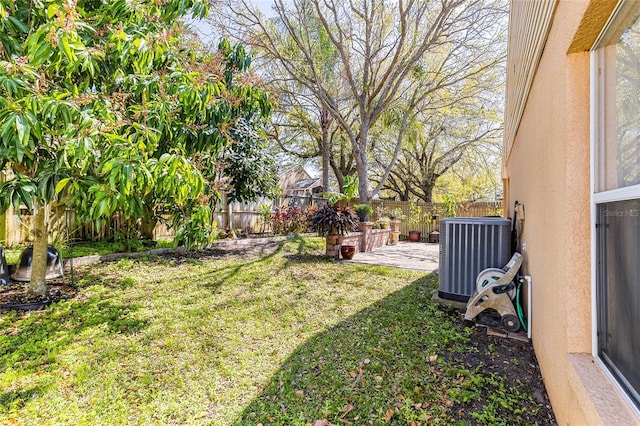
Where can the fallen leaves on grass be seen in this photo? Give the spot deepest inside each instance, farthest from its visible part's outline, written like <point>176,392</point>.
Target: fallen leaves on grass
<point>347,411</point>
<point>323,422</point>
<point>388,415</point>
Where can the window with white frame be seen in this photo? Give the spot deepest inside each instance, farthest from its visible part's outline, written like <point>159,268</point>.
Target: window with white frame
<point>616,186</point>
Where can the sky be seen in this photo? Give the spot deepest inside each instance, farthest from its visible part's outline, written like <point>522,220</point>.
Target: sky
<point>206,32</point>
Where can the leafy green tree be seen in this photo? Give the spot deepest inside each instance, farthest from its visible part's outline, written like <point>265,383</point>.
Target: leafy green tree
<point>250,166</point>
<point>109,106</point>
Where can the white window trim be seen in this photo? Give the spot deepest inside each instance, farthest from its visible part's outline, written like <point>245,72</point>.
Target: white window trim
<point>593,132</point>
<point>621,194</point>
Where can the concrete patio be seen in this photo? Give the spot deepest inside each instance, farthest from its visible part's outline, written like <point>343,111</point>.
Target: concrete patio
<point>406,255</point>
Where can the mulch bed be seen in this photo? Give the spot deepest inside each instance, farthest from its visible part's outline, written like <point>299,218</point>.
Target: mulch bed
<point>510,356</point>
<point>14,296</point>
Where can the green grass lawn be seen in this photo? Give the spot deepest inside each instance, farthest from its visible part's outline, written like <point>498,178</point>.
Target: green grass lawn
<point>283,336</point>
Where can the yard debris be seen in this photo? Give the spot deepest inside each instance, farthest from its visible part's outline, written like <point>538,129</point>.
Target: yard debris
<point>347,411</point>
<point>491,331</point>
<point>388,414</point>
<point>323,422</point>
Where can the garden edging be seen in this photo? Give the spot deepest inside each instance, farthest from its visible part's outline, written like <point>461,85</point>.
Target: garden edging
<point>86,260</point>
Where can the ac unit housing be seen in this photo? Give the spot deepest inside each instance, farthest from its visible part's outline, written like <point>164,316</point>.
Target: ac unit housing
<point>468,246</point>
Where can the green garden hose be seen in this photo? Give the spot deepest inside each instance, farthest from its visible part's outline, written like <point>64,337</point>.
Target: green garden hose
<point>519,306</point>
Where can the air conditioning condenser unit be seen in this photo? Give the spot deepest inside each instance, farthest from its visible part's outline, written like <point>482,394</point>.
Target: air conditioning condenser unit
<point>467,247</point>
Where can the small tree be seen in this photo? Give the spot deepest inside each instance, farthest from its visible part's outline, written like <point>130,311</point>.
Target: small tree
<point>108,105</point>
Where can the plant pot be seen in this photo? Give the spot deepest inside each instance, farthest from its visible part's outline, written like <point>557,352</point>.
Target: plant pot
<point>394,238</point>
<point>332,238</point>
<point>363,216</point>
<point>434,236</point>
<point>414,236</point>
<point>347,252</point>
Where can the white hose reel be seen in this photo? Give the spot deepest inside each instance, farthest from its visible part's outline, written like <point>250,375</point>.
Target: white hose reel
<point>496,289</point>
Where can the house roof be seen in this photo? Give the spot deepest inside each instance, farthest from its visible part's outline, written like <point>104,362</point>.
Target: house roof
<point>305,184</point>
<point>298,179</point>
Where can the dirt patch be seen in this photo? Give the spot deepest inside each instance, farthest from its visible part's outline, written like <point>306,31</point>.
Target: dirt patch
<point>508,364</point>
<point>516,363</point>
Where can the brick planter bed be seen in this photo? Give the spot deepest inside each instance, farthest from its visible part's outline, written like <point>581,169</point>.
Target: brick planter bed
<point>365,240</point>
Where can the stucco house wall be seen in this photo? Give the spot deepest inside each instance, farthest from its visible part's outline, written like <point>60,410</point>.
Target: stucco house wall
<point>546,168</point>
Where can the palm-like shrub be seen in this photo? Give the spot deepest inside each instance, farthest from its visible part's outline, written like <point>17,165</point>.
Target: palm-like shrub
<point>328,219</point>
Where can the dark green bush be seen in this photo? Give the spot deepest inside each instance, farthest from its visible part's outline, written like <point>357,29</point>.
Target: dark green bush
<point>328,218</point>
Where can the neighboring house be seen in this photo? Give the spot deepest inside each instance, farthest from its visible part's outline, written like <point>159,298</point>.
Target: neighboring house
<point>298,182</point>
<point>572,159</point>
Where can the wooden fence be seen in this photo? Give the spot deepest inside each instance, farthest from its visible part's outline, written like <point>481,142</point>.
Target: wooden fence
<point>16,229</point>
<point>64,226</point>
<point>430,214</point>
<point>247,217</point>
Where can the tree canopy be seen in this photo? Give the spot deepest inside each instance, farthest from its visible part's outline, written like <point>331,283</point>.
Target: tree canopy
<point>369,60</point>
<point>111,107</point>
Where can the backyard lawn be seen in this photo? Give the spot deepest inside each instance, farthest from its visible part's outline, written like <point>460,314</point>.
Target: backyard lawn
<point>278,335</point>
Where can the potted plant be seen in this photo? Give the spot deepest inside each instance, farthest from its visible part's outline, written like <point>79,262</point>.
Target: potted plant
<point>415,217</point>
<point>334,221</point>
<point>347,251</point>
<point>383,223</point>
<point>363,211</point>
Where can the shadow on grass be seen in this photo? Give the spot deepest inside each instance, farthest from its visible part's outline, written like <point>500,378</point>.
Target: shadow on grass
<point>400,360</point>
<point>309,258</point>
<point>219,276</point>
<point>15,398</point>
<point>34,344</point>
<point>254,258</point>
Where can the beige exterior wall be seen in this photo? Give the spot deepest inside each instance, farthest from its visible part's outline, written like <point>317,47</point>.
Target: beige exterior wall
<point>547,169</point>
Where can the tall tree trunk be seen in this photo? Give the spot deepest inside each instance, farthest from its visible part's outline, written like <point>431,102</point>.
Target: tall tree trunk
<point>339,178</point>
<point>38,284</point>
<point>232,232</point>
<point>428,195</point>
<point>325,122</point>
<point>147,226</point>
<point>361,162</point>
<point>149,221</point>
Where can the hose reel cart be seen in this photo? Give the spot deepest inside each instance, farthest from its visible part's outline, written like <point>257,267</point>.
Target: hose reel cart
<point>496,288</point>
